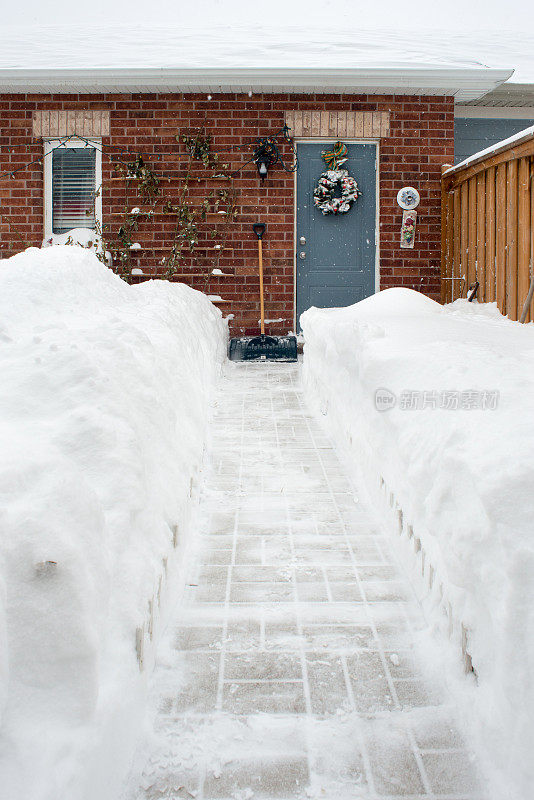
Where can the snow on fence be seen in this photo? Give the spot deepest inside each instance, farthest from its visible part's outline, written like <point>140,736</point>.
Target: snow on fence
<point>487,230</point>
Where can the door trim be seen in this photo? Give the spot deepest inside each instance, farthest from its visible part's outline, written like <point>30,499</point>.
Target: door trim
<point>325,140</point>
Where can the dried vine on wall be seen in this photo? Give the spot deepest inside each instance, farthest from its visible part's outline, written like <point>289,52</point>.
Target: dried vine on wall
<point>145,197</point>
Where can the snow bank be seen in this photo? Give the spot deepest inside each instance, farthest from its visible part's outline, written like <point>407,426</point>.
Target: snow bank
<point>84,237</point>
<point>457,480</point>
<point>104,401</point>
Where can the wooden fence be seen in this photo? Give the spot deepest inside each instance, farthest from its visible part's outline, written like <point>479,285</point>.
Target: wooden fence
<point>487,228</point>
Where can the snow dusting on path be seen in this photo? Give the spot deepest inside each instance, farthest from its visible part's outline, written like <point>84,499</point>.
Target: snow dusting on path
<point>290,669</point>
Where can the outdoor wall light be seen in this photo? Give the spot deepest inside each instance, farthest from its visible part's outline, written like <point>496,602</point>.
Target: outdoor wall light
<point>266,153</point>
<point>263,166</point>
<point>264,157</point>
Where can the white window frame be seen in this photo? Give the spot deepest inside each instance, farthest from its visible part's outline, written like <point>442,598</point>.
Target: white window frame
<point>51,144</point>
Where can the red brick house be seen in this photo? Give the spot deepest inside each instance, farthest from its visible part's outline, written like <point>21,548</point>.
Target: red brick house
<point>398,125</point>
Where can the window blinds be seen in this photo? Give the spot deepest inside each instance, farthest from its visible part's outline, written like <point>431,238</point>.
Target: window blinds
<point>73,188</point>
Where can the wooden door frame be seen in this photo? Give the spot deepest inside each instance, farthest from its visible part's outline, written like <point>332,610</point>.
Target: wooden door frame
<point>326,140</point>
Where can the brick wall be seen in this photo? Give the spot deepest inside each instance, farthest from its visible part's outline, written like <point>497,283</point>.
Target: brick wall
<point>420,140</point>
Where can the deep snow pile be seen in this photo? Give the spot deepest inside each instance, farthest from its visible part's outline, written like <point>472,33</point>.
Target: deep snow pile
<point>463,475</point>
<point>104,399</point>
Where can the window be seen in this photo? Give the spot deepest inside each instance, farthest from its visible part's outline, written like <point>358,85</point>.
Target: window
<point>72,176</point>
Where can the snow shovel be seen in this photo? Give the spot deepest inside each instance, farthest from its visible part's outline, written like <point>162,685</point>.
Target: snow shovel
<point>262,347</point>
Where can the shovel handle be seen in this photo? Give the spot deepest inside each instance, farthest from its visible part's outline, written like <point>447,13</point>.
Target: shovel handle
<point>262,306</point>
<point>259,229</point>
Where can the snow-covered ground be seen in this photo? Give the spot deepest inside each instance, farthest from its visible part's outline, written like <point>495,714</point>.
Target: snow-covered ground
<point>104,402</point>
<point>104,405</point>
<point>437,404</point>
<point>290,671</point>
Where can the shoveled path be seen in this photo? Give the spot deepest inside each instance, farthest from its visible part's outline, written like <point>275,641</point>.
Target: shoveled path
<point>290,671</point>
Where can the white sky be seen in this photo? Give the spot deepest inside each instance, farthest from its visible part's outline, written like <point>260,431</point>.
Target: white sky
<point>465,15</point>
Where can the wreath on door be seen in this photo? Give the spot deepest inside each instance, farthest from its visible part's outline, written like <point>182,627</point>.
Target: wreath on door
<point>336,190</point>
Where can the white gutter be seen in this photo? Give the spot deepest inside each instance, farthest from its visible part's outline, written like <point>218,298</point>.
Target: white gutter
<point>463,83</point>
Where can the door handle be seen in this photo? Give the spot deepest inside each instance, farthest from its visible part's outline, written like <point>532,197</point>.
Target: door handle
<point>302,254</point>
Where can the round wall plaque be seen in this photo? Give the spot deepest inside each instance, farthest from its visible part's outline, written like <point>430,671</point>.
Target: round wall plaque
<point>408,198</point>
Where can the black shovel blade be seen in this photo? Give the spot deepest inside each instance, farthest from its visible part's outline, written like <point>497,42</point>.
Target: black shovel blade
<point>263,348</point>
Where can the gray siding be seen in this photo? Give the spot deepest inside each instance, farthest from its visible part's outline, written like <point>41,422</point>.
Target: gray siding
<point>472,135</point>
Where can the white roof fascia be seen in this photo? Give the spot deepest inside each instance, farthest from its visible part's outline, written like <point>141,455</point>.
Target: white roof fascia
<point>463,83</point>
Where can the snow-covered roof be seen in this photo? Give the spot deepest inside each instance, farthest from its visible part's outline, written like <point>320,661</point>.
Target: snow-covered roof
<point>240,58</point>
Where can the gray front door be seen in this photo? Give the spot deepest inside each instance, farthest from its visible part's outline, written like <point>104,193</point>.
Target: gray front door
<point>336,260</point>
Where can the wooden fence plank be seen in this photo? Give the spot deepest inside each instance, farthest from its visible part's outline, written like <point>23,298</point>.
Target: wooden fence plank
<point>530,317</point>
<point>500,238</point>
<point>450,243</point>
<point>523,233</point>
<point>481,235</point>
<point>456,284</point>
<point>445,264</point>
<point>472,234</point>
<point>511,239</point>
<point>464,233</point>
<point>490,236</point>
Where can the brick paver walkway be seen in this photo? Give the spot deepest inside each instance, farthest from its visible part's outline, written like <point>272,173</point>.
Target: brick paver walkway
<point>290,671</point>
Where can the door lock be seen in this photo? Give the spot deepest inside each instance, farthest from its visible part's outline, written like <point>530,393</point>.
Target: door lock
<point>302,254</point>
<point>302,240</point>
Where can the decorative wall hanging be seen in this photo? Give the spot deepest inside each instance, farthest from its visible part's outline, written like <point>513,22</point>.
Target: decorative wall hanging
<point>408,198</point>
<point>333,181</point>
<point>408,229</point>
